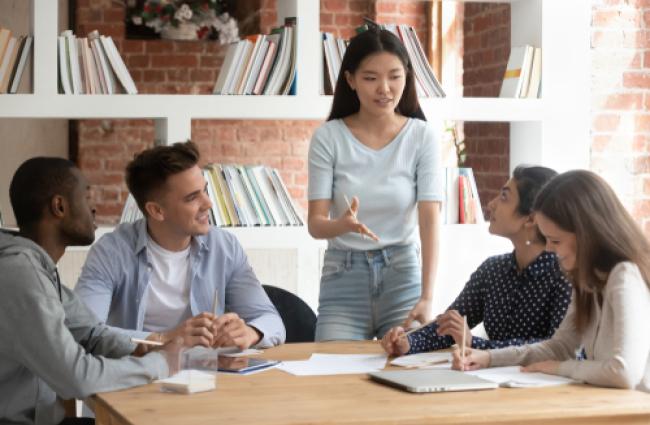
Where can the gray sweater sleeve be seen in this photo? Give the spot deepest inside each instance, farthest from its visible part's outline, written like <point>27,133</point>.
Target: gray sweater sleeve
<point>62,343</point>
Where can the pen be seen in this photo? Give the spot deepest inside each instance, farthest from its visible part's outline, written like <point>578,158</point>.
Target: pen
<point>424,325</point>
<point>462,345</point>
<point>147,342</point>
<point>215,302</point>
<point>347,201</point>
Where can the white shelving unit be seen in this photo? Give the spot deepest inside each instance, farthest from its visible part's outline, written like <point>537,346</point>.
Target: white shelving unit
<point>553,130</point>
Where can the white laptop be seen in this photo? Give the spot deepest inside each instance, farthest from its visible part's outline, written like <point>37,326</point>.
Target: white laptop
<point>432,380</point>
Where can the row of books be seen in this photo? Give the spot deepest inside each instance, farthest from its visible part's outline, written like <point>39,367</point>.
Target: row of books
<point>260,64</point>
<point>426,83</point>
<point>241,195</point>
<point>14,53</point>
<point>523,76</point>
<point>462,204</point>
<point>92,65</point>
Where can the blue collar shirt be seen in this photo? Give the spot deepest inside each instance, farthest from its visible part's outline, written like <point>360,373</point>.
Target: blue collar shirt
<point>114,280</point>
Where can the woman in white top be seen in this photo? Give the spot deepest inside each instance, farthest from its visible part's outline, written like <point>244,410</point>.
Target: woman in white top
<point>374,176</point>
<point>606,257</point>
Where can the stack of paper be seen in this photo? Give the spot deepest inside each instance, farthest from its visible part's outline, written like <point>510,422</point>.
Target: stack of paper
<point>513,377</point>
<point>189,382</point>
<point>335,364</point>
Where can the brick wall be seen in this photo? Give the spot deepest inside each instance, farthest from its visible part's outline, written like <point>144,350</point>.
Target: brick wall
<point>621,100</point>
<point>486,47</point>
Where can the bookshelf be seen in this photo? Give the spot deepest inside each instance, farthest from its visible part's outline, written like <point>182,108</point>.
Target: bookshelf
<point>552,130</point>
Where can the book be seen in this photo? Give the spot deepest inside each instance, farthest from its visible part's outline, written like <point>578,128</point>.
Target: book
<point>525,72</point>
<point>225,68</point>
<point>104,68</point>
<point>64,73</point>
<point>535,74</point>
<point>11,57</point>
<point>119,68</point>
<point>7,60</point>
<point>517,74</point>
<point>22,62</point>
<point>476,201</point>
<point>266,64</point>
<point>5,35</point>
<point>73,62</point>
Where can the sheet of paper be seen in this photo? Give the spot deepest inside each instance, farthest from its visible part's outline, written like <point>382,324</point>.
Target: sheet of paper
<point>422,360</point>
<point>335,364</point>
<point>512,376</point>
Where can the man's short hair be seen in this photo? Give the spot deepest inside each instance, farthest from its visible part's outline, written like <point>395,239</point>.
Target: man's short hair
<point>34,184</point>
<point>150,169</point>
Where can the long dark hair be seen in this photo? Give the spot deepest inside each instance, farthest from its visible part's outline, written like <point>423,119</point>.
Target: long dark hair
<point>367,43</point>
<point>582,203</point>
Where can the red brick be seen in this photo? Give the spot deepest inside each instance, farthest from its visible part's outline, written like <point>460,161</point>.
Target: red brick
<point>326,18</point>
<point>619,39</point>
<point>131,46</point>
<point>137,61</point>
<point>385,7</point>
<point>160,46</point>
<point>116,14</point>
<point>642,123</point>
<point>616,18</point>
<point>636,80</point>
<point>294,163</point>
<point>606,123</point>
<point>153,75</point>
<point>174,61</point>
<point>334,5</point>
<point>621,101</point>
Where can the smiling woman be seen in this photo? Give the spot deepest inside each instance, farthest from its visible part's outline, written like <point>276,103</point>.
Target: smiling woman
<point>520,297</point>
<point>377,150</point>
<point>605,255</point>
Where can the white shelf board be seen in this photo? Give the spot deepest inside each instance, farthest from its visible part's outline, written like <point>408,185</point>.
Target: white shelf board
<point>247,107</point>
<point>163,106</point>
<point>255,237</point>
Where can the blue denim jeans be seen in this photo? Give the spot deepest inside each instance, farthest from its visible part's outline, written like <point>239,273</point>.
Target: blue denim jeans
<point>365,293</point>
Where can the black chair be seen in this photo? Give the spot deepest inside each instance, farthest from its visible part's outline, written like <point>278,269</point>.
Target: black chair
<point>298,318</point>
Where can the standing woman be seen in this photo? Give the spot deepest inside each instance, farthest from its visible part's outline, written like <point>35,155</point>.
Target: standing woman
<point>374,176</point>
<point>607,258</point>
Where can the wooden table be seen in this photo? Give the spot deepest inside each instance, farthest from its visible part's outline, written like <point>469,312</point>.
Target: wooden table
<point>274,397</point>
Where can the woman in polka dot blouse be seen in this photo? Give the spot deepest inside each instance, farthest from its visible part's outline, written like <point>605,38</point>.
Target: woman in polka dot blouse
<point>520,297</point>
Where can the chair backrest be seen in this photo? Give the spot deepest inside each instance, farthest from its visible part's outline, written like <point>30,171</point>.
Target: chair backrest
<point>298,318</point>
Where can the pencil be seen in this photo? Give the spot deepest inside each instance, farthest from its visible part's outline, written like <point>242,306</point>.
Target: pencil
<point>147,342</point>
<point>410,331</point>
<point>462,345</point>
<point>215,302</point>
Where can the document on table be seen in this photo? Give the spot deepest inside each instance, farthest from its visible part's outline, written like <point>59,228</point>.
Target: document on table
<point>513,377</point>
<point>424,360</point>
<point>335,364</point>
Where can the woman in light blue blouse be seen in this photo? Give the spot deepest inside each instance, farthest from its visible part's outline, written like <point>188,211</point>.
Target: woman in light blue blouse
<point>374,176</point>
<point>520,297</point>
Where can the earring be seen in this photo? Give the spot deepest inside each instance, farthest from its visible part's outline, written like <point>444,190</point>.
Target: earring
<point>527,242</point>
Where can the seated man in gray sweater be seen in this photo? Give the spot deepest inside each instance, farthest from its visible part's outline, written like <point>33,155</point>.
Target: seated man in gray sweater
<point>52,346</point>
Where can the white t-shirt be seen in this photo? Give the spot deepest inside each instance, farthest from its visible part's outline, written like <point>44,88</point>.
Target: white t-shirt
<point>168,293</point>
<point>388,182</point>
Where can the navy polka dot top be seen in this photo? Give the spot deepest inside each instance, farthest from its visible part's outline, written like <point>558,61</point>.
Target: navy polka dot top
<point>515,308</point>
